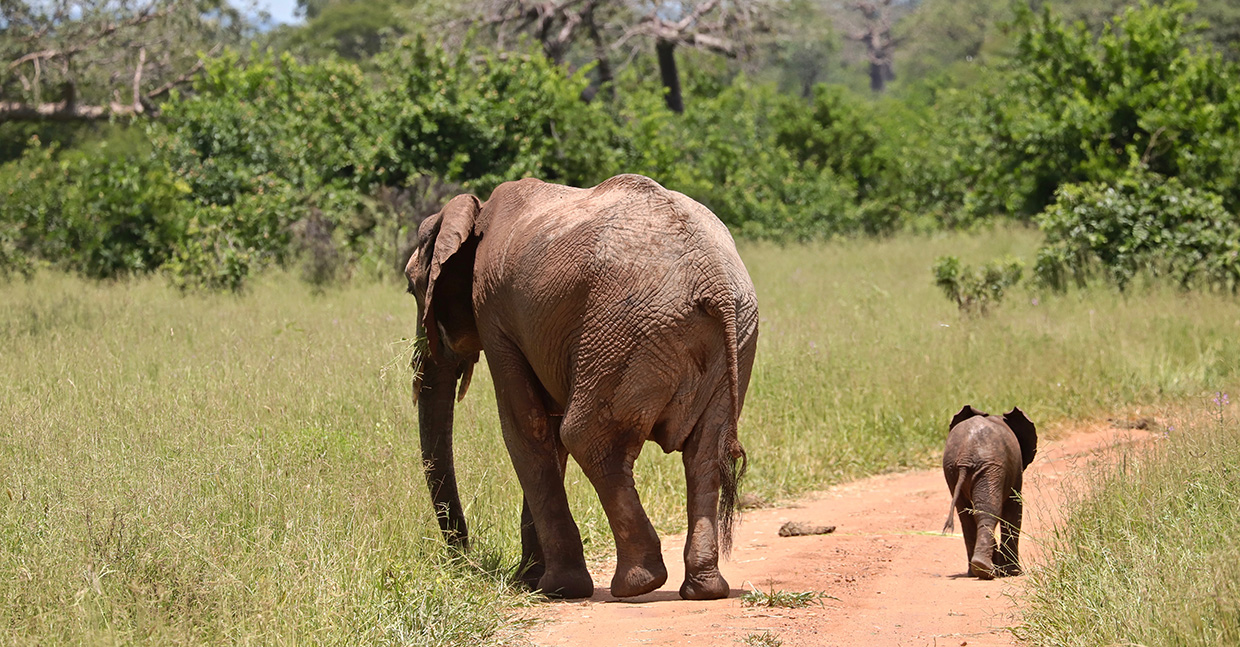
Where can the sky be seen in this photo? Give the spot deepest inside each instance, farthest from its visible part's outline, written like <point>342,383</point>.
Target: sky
<point>281,10</point>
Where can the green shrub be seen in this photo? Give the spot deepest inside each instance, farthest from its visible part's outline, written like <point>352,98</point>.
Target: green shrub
<point>725,153</point>
<point>836,131</point>
<point>975,290</point>
<point>90,211</point>
<point>480,119</point>
<point>1140,223</point>
<point>1080,108</point>
<point>224,245</point>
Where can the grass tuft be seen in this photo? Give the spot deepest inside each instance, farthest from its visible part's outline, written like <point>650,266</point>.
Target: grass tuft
<point>764,639</point>
<point>779,598</point>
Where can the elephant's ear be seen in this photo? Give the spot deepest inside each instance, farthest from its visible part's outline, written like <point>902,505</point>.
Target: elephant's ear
<point>1026,434</point>
<point>455,229</point>
<point>966,412</point>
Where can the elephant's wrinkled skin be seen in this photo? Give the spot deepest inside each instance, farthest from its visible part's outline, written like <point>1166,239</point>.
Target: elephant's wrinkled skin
<point>609,316</point>
<point>983,462</point>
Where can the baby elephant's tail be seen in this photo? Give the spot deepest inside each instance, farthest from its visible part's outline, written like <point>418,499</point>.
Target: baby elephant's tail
<point>950,525</point>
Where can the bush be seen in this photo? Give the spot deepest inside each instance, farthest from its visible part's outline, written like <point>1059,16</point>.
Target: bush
<point>836,131</point>
<point>1082,109</point>
<point>90,211</point>
<point>975,290</point>
<point>1141,223</point>
<point>724,152</point>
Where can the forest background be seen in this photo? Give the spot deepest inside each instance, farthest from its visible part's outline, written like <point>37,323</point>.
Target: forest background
<point>177,136</point>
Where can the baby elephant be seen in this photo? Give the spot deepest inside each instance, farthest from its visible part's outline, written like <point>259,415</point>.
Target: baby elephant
<point>983,463</point>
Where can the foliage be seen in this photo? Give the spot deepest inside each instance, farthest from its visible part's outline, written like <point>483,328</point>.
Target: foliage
<point>1140,223</point>
<point>1080,109</point>
<point>1149,551</point>
<point>975,290</point>
<point>723,152</point>
<point>263,143</point>
<point>833,132</point>
<point>272,146</point>
<point>92,212</point>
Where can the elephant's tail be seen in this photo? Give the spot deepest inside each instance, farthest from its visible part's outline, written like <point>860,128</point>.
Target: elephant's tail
<point>950,525</point>
<point>733,461</point>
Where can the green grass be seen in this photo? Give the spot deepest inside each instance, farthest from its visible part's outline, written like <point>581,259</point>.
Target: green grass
<point>781,599</point>
<point>1150,554</point>
<point>222,469</point>
<point>764,639</point>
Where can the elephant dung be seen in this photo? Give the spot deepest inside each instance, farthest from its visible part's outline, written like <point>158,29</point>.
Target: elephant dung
<point>802,528</point>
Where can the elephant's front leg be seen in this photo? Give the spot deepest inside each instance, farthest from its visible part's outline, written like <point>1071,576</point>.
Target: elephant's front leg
<point>702,578</point>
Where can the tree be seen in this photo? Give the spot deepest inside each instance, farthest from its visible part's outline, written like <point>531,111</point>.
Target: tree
<point>801,47</point>
<point>940,34</point>
<point>723,27</point>
<point>354,29</point>
<point>82,60</point>
<point>713,25</point>
<point>875,34</point>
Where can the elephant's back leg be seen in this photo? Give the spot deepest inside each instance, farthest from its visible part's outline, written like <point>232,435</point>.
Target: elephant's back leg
<point>1007,557</point>
<point>548,530</point>
<point>712,473</point>
<point>704,479</point>
<point>964,509</point>
<point>605,442</point>
<point>986,493</point>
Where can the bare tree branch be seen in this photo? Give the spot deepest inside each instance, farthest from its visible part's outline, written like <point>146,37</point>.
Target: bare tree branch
<point>98,57</point>
<point>84,43</point>
<point>62,111</point>
<point>183,78</point>
<point>137,80</point>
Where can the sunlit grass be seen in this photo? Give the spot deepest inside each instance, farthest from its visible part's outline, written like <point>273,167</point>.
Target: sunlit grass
<point>781,599</point>
<point>221,469</point>
<point>1150,553</point>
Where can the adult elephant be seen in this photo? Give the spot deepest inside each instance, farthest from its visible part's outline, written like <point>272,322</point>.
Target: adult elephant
<point>609,316</point>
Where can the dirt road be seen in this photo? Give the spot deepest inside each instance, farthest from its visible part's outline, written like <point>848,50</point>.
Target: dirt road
<point>892,577</point>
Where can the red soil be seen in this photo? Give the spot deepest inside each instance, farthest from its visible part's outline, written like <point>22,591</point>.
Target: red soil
<point>892,577</point>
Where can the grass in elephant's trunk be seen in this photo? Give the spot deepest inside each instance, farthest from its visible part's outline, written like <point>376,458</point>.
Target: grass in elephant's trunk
<point>215,469</point>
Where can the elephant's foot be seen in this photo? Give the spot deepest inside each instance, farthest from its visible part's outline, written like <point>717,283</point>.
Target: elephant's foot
<point>1008,570</point>
<point>529,575</point>
<point>982,568</point>
<point>638,579</point>
<point>575,583</point>
<point>707,585</point>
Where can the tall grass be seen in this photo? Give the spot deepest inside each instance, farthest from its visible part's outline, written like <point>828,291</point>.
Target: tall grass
<point>1150,554</point>
<point>222,469</point>
<point>862,361</point>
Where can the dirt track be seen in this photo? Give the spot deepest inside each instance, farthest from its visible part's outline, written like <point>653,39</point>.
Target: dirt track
<point>892,578</point>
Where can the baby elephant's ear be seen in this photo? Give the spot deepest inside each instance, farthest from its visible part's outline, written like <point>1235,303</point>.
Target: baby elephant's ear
<point>966,412</point>
<point>1026,434</point>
